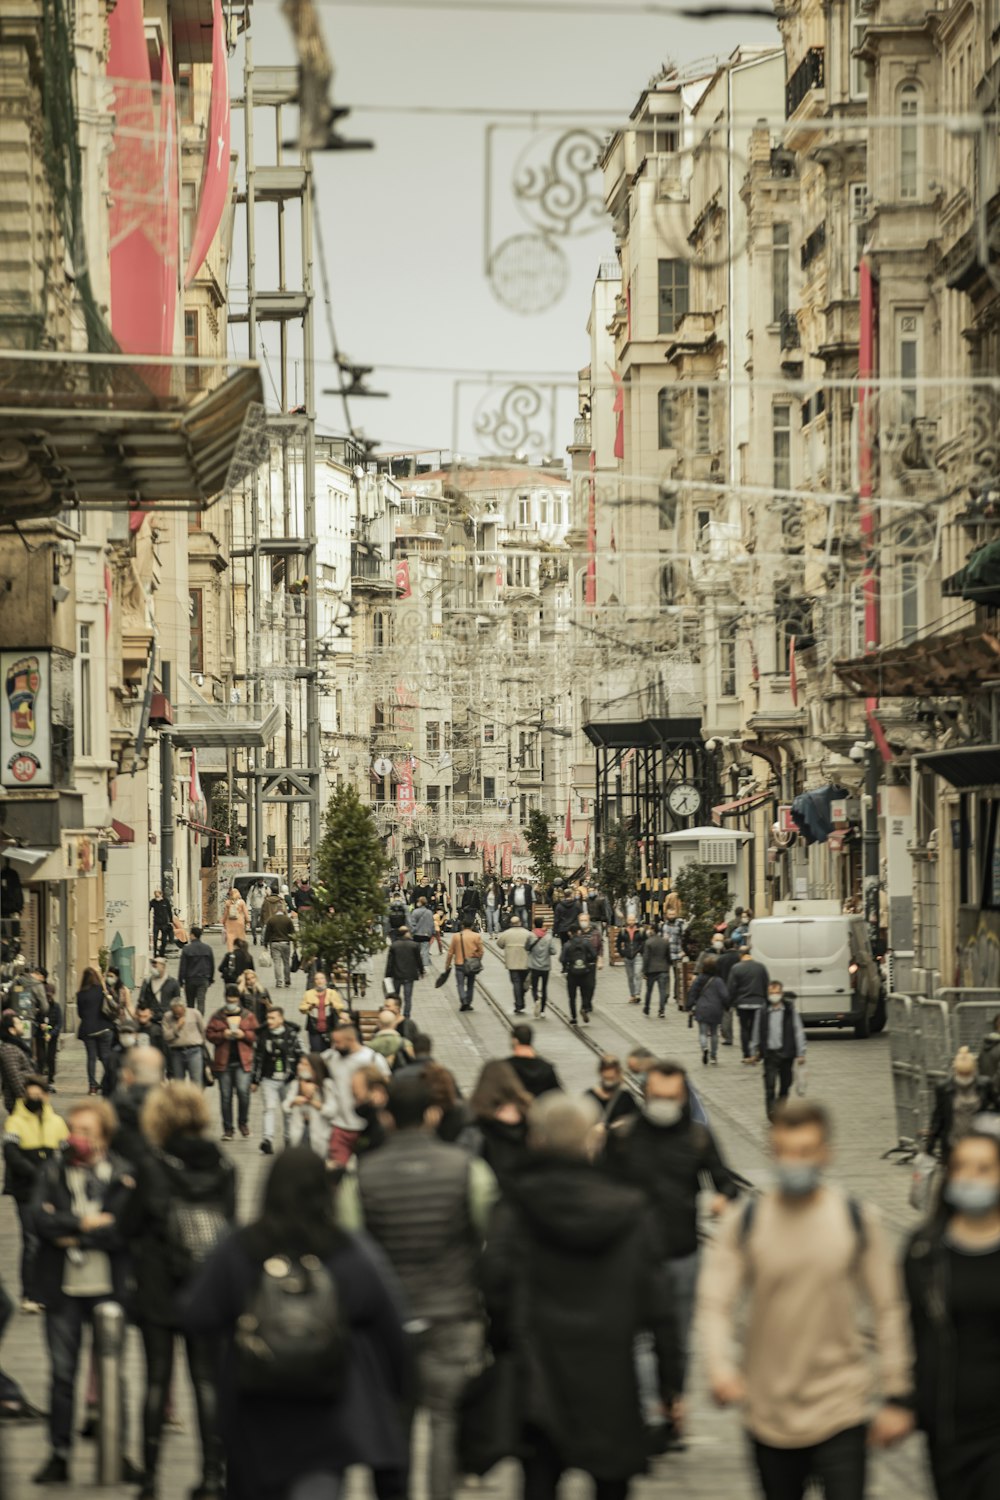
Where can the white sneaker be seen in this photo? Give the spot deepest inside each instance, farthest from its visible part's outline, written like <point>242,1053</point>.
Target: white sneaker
<point>538,1009</point>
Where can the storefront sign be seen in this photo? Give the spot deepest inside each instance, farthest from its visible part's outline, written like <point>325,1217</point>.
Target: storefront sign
<point>26,719</point>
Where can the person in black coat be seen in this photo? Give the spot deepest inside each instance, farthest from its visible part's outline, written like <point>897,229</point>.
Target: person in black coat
<point>957,1102</point>
<point>498,1119</point>
<point>580,1251</point>
<point>81,1205</point>
<point>196,970</point>
<point>159,989</point>
<point>182,1175</point>
<point>270,1439</point>
<point>952,1274</point>
<point>404,966</point>
<point>94,1028</point>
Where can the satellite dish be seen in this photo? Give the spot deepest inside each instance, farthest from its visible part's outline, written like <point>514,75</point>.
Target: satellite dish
<point>383,767</point>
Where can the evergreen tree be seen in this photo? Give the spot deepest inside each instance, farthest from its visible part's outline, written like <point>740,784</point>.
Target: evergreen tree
<point>618,864</point>
<point>705,894</point>
<point>350,870</point>
<point>541,841</point>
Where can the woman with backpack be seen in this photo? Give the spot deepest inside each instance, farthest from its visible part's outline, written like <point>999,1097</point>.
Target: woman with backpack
<point>312,1379</point>
<point>185,1204</point>
<point>236,961</point>
<point>235,917</point>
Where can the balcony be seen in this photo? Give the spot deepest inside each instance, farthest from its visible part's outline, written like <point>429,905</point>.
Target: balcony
<point>581,433</point>
<point>788,328</point>
<point>810,74</point>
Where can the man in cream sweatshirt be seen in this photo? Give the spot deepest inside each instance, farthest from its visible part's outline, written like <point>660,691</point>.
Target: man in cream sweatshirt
<point>807,1258</point>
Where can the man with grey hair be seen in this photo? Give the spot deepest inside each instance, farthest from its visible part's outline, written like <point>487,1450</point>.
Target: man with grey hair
<point>514,946</point>
<point>579,1249</point>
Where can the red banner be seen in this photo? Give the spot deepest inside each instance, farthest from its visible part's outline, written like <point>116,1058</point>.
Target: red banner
<point>215,170</point>
<point>619,411</point>
<point>506,862</point>
<point>403,578</point>
<point>404,786</point>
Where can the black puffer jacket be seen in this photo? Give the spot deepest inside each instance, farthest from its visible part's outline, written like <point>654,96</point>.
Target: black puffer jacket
<point>188,1167</point>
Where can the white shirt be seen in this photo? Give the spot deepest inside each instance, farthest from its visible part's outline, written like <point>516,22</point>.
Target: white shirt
<point>341,1070</point>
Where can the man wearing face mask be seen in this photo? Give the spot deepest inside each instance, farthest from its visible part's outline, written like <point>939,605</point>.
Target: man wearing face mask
<point>664,1152</point>
<point>780,1039</point>
<point>957,1103</point>
<point>80,1204</point>
<point>809,1257</point>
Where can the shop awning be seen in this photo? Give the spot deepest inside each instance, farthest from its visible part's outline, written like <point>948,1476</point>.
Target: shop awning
<point>971,766</point>
<point>124,430</point>
<point>122,832</point>
<point>30,858</point>
<point>934,666</point>
<point>204,725</point>
<point>628,734</point>
<point>741,805</point>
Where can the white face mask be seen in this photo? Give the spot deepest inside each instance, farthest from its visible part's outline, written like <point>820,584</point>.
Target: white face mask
<point>663,1111</point>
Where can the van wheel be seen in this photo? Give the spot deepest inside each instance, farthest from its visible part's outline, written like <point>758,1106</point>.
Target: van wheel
<point>863,1025</point>
<point>879,1014</point>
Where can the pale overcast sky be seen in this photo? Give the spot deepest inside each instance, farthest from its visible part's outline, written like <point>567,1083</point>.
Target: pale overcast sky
<point>404,224</point>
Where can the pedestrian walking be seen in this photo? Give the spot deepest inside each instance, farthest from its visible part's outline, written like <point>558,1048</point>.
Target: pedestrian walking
<point>513,944</point>
<point>629,944</point>
<point>370,1090</point>
<point>232,1033</point>
<point>667,1154</point>
<point>150,1029</point>
<point>725,962</point>
<point>82,1205</point>
<point>235,917</point>
<point>779,1039</point>
<point>422,929</point>
<point>957,1102</point>
<point>279,939</point>
<point>161,919</point>
<point>319,1386</point>
<point>235,961</point>
<point>579,964</point>
<point>196,970</point>
<point>565,914</point>
<point>541,947</point>
<point>185,1203</point>
<point>309,1105</point>
<point>32,1133</point>
<point>952,1275</point>
<point>16,1064</point>
<point>498,1119</point>
<point>493,904</point>
<point>255,996</point>
<point>520,900</point>
<point>536,1073</point>
<point>578,1249</point>
<point>94,1028</point>
<point>708,1001</point>
<point>255,906</point>
<point>470,905</point>
<point>748,982</point>
<point>465,951</point>
<point>47,1025</point>
<point>427,1204</point>
<point>390,1043</point>
<point>656,964</point>
<point>614,1101</point>
<point>673,929</point>
<point>404,965</point>
<point>275,1059</point>
<point>159,988</point>
<point>346,1056</point>
<point>808,1258</point>
<point>321,1007</point>
<point>184,1036</point>
<point>304,898</point>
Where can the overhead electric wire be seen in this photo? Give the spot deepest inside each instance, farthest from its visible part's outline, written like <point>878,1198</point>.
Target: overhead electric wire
<point>324,275</point>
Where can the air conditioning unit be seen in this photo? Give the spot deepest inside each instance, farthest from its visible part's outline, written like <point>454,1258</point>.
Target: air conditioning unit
<point>717,851</point>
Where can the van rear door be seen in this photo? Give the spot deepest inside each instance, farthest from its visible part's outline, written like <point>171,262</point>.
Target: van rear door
<point>776,942</point>
<point>824,985</point>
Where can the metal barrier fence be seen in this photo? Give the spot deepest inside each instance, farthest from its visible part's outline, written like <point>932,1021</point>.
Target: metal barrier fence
<point>924,1035</point>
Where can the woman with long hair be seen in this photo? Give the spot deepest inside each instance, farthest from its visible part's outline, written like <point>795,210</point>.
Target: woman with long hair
<point>952,1270</point>
<point>186,1202</point>
<point>499,1108</point>
<point>235,917</point>
<point>283,1442</point>
<point>94,1009</point>
<point>309,1105</point>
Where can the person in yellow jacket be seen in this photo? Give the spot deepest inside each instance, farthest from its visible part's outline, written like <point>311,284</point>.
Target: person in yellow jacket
<point>32,1133</point>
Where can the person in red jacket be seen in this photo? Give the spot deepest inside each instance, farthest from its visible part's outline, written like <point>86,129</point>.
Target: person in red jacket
<point>232,1031</point>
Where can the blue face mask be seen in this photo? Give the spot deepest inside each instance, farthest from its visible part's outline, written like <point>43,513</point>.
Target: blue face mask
<point>972,1198</point>
<point>797,1179</point>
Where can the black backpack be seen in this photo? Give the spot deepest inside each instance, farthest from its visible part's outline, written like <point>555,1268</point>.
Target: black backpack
<point>193,1231</point>
<point>293,1338</point>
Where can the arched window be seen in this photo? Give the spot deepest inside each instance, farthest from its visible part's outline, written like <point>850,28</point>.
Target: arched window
<point>668,418</point>
<point>909,109</point>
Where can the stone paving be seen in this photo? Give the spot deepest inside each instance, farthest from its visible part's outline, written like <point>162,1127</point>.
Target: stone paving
<point>851,1077</point>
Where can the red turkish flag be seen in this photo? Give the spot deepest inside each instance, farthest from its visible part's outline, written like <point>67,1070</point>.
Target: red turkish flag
<point>215,171</point>
<point>569,819</point>
<point>403,579</point>
<point>793,679</point>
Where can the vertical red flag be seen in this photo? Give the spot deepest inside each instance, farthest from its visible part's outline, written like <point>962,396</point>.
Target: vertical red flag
<point>569,819</point>
<point>215,170</point>
<point>590,597</point>
<point>619,410</point>
<point>403,578</point>
<point>793,677</point>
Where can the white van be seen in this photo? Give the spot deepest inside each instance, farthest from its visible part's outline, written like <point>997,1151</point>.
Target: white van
<point>824,958</point>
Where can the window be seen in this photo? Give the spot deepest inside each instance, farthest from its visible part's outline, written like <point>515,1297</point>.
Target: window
<point>909,599</point>
<point>197,630</point>
<point>727,659</point>
<point>859,228</point>
<point>191,351</point>
<point>433,795</point>
<point>780,265</point>
<point>781,446</point>
<point>702,532</point>
<point>909,107</point>
<point>524,510</point>
<point>489,788</point>
<point>908,356</point>
<point>340,710</point>
<point>378,716</point>
<point>489,734</point>
<point>189,212</point>
<point>378,630</point>
<point>668,418</point>
<point>859,69</point>
<point>703,419</point>
<point>543,509</point>
<point>185,94</point>
<point>85,718</point>
<point>447,734</point>
<point>519,630</point>
<point>672,294</point>
<point>433,736</point>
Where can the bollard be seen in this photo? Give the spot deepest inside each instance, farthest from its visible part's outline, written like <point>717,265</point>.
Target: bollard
<point>109,1350</point>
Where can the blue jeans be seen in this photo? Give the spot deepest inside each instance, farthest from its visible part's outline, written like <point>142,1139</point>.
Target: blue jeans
<point>518,979</point>
<point>492,919</point>
<point>708,1038</point>
<point>466,986</point>
<point>239,1079</point>
<point>405,987</point>
<point>188,1062</point>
